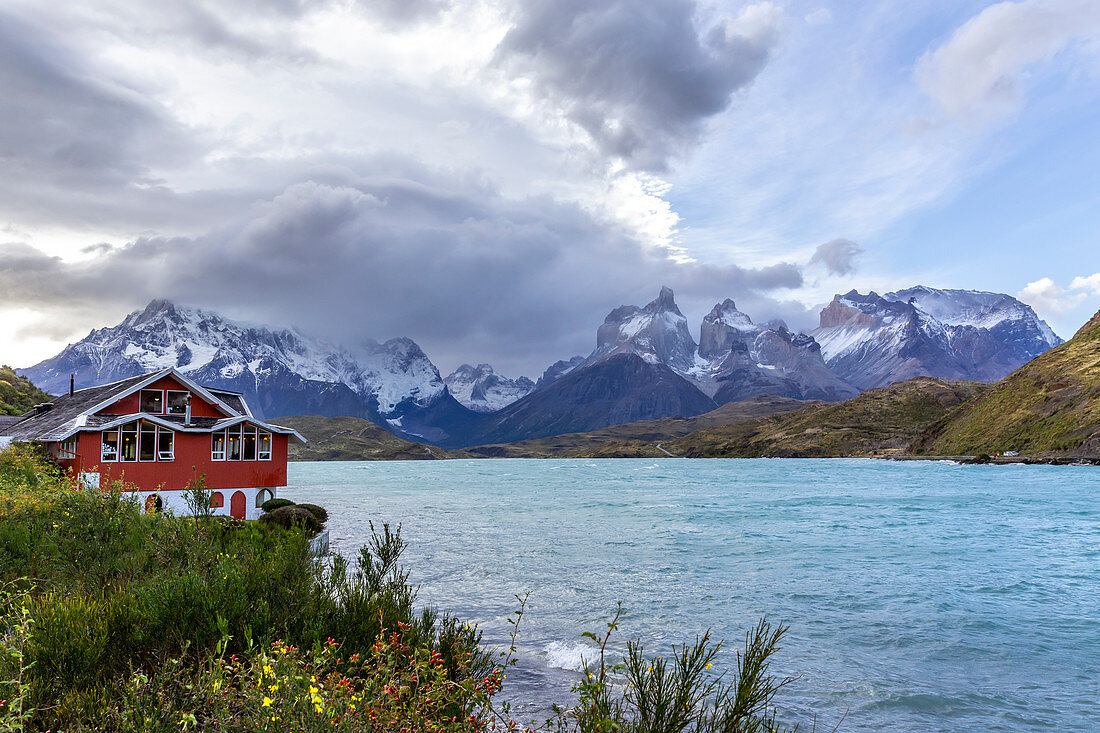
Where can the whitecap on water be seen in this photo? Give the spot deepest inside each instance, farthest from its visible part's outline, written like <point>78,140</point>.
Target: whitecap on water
<point>570,655</point>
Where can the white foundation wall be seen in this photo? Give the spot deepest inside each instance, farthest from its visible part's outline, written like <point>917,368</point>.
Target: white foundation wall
<point>176,502</point>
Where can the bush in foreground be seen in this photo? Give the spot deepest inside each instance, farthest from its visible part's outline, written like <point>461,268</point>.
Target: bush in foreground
<point>272,504</point>
<point>113,620</point>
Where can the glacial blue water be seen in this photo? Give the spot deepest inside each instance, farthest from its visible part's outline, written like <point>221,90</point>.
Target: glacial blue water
<point>920,596</point>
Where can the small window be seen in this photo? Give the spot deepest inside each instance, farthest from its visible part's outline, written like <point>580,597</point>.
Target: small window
<point>250,443</point>
<point>110,446</point>
<point>217,446</point>
<point>233,436</point>
<point>177,402</point>
<point>148,442</point>
<point>217,501</point>
<point>66,450</point>
<point>152,401</point>
<point>263,446</point>
<point>128,433</point>
<point>166,444</point>
<point>262,496</point>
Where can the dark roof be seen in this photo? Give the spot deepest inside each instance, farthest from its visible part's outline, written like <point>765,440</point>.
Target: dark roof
<point>232,400</point>
<point>56,422</point>
<point>6,420</point>
<point>68,414</point>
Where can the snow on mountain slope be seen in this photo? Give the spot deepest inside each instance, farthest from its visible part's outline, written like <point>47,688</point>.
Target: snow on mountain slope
<point>483,390</point>
<point>872,340</point>
<point>738,359</point>
<point>280,371</point>
<point>658,333</point>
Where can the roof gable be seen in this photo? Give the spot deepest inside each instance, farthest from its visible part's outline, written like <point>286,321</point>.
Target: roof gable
<point>70,412</point>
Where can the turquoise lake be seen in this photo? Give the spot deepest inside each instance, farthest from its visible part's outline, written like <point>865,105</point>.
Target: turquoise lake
<point>920,596</point>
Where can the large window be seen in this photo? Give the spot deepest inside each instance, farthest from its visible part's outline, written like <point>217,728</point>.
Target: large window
<point>217,446</point>
<point>249,443</point>
<point>66,450</point>
<point>148,444</point>
<point>152,401</point>
<point>177,402</point>
<point>233,438</point>
<point>129,438</point>
<point>110,446</point>
<point>132,442</point>
<point>166,444</point>
<point>240,443</point>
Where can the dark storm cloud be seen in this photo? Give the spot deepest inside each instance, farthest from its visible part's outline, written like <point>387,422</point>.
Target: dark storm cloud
<point>638,75</point>
<point>467,273</point>
<point>838,256</point>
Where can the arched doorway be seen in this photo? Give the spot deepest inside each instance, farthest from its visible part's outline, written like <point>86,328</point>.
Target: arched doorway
<point>236,505</point>
<point>262,496</point>
<point>153,503</point>
<point>217,501</point>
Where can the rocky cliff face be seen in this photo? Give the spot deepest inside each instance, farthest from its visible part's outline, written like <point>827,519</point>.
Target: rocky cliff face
<point>280,371</point>
<point>483,390</point>
<point>658,333</point>
<point>872,340</point>
<point>738,359</point>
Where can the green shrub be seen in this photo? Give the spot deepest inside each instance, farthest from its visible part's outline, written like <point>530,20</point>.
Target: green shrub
<point>293,517</point>
<point>272,504</point>
<point>317,511</point>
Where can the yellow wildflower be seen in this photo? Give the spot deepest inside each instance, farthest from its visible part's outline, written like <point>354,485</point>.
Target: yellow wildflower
<point>267,702</point>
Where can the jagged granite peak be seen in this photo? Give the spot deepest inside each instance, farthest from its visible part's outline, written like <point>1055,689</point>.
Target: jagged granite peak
<point>280,370</point>
<point>875,340</point>
<point>557,370</point>
<point>738,359</point>
<point>658,333</point>
<point>481,389</point>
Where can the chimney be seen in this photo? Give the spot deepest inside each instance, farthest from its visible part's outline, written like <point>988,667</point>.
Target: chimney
<point>72,383</point>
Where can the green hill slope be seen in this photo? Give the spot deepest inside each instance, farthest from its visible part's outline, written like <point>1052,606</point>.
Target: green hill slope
<point>1051,405</point>
<point>636,439</point>
<point>17,394</point>
<point>351,439</point>
<point>881,421</point>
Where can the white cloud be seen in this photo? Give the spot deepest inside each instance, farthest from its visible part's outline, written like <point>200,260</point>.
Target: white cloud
<point>980,71</point>
<point>1047,297</point>
<point>1092,282</point>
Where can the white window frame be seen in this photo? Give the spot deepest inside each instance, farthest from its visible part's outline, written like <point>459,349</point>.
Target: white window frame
<point>142,428</point>
<point>229,442</point>
<point>163,401</point>
<point>224,452</point>
<point>103,445</point>
<point>171,452</point>
<point>69,446</point>
<point>260,435</point>
<point>137,440</point>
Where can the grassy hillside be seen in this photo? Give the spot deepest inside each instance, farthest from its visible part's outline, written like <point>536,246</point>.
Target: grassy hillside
<point>351,439</point>
<point>1051,405</point>
<point>632,439</point>
<point>881,421</point>
<point>17,394</point>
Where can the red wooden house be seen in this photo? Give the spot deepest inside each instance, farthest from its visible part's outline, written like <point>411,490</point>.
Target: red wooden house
<point>157,432</point>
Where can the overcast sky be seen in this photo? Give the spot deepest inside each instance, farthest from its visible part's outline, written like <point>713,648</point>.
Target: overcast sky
<point>491,177</point>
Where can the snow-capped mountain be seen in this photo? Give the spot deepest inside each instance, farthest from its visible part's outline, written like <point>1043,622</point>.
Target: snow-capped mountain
<point>872,340</point>
<point>646,365</point>
<point>735,358</point>
<point>738,359</point>
<point>280,371</point>
<point>658,333</point>
<point>483,390</point>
